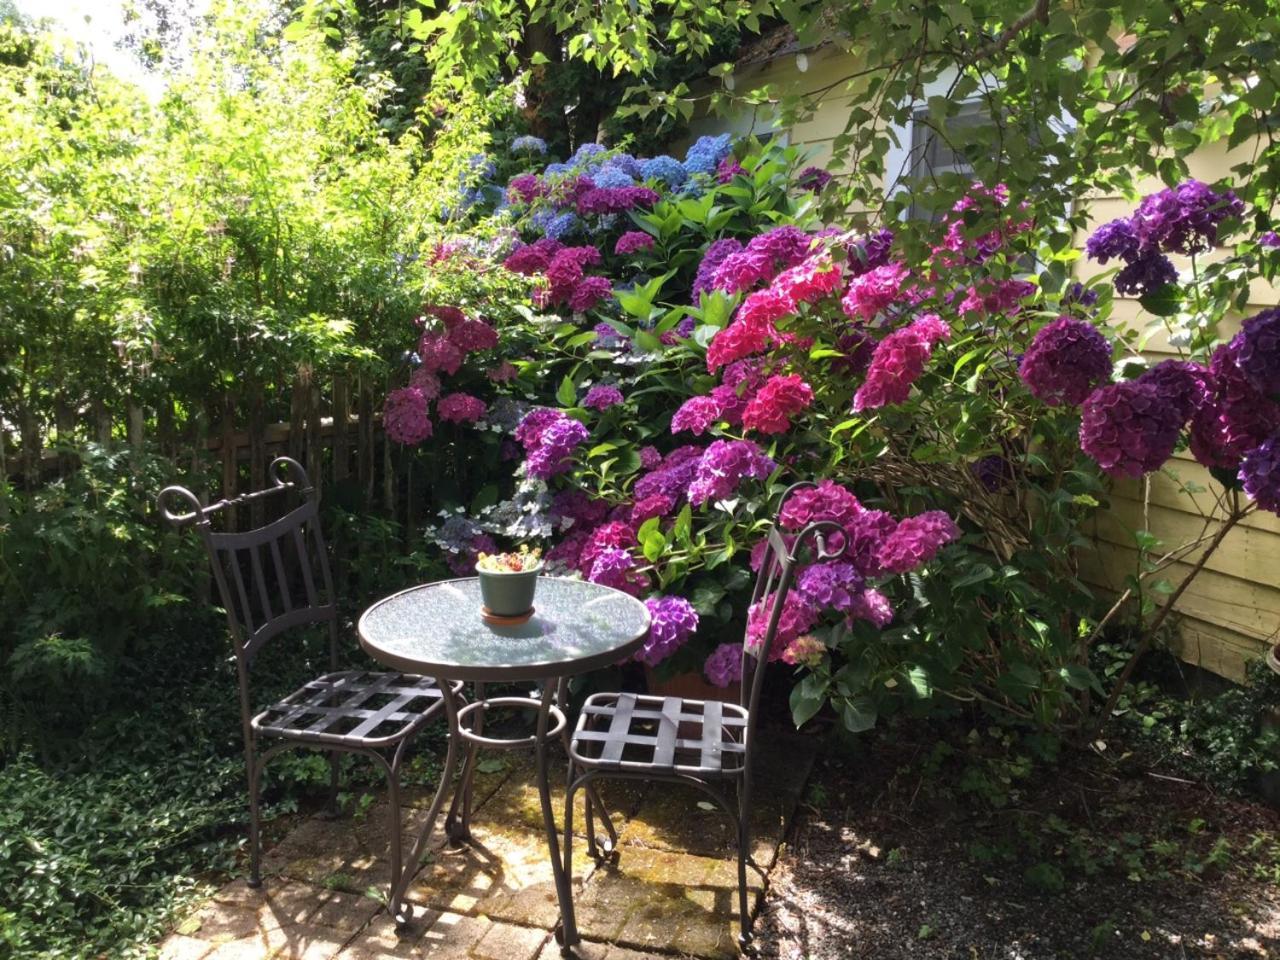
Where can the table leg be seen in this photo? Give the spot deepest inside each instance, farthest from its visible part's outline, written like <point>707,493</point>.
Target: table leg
<point>458,823</point>
<point>564,887</point>
<point>400,884</point>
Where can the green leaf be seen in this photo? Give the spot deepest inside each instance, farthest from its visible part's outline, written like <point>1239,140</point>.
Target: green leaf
<point>858,714</point>
<point>567,393</point>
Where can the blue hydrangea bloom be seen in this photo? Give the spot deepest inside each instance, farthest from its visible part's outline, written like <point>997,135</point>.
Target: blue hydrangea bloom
<point>561,226</point>
<point>529,144</point>
<point>626,163</point>
<point>542,219</point>
<point>586,153</point>
<point>479,163</point>
<point>608,177</point>
<point>706,153</point>
<point>667,169</point>
<point>555,169</point>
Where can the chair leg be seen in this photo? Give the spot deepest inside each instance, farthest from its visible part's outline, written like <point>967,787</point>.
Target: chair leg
<point>744,856</point>
<point>255,838</point>
<point>403,912</point>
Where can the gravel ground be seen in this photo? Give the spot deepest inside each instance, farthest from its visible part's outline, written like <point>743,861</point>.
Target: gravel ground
<point>886,863</point>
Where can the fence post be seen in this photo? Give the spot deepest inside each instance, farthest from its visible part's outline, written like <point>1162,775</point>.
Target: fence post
<point>228,452</point>
<point>341,451</point>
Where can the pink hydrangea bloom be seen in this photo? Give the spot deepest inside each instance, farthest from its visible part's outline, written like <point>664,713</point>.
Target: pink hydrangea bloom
<point>805,651</point>
<point>589,292</point>
<point>764,307</point>
<point>633,241</point>
<point>728,168</point>
<point>874,290</point>
<point>697,415</point>
<point>461,408</point>
<point>898,361</point>
<point>775,403</point>
<point>655,505</point>
<point>564,556</point>
<point>426,381</point>
<point>917,540</point>
<point>534,257</point>
<point>614,534</point>
<point>827,501</point>
<point>406,417</point>
<point>797,618</point>
<point>736,342</point>
<point>503,372</point>
<point>724,667</point>
<point>810,281</point>
<point>439,354</point>
<point>873,606</point>
<point>649,457</point>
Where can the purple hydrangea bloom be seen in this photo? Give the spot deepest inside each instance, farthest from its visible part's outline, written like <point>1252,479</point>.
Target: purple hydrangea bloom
<point>672,476</point>
<point>1129,428</point>
<point>1113,241</point>
<point>602,396</point>
<point>697,415</point>
<point>1185,218</point>
<point>742,270</point>
<point>586,153</point>
<point>786,246</point>
<point>1239,417</point>
<point>615,567</point>
<point>1182,383</point>
<point>723,466</point>
<point>873,606</point>
<point>832,586</point>
<point>1258,355</point>
<point>724,667</point>
<point>649,457</point>
<point>869,252</point>
<point>813,179</point>
<point>633,241</point>
<point>624,162</point>
<point>577,507</point>
<point>1270,240</point>
<point>716,254</point>
<point>1260,474</point>
<point>672,622</point>
<point>1066,360</point>
<point>916,540</point>
<point>554,447</point>
<point>1146,274</point>
<point>993,472</point>
<point>406,416</point>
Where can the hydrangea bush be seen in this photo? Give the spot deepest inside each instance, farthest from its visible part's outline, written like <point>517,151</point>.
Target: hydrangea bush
<point>695,339</point>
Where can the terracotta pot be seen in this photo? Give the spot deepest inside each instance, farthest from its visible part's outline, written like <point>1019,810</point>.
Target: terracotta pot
<point>690,686</point>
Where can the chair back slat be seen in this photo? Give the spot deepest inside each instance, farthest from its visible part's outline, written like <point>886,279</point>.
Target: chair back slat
<point>300,548</point>
<point>277,563</point>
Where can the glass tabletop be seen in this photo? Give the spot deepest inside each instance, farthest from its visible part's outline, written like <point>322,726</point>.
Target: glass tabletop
<point>436,629</point>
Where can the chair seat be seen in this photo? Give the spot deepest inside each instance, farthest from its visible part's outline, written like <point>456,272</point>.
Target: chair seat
<point>630,732</point>
<point>354,708</point>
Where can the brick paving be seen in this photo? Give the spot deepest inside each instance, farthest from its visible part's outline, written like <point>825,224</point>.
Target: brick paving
<point>670,891</point>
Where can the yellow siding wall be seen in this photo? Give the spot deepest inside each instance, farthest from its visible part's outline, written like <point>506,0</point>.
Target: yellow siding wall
<point>1232,610</point>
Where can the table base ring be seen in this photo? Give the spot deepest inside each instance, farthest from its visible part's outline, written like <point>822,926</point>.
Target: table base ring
<point>479,707</point>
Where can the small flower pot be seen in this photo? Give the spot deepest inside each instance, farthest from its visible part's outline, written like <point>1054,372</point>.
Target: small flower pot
<point>508,593</point>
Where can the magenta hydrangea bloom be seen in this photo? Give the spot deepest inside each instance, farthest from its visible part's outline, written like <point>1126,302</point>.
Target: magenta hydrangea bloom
<point>724,667</point>
<point>534,425</point>
<point>589,292</point>
<point>606,200</point>
<point>1258,351</point>
<point>461,408</point>
<point>616,568</point>
<point>809,281</point>
<point>406,416</point>
<point>729,168</point>
<point>1129,428</point>
<point>525,188</point>
<point>602,396</point>
<point>805,651</point>
<point>775,403</point>
<point>1260,474</point>
<point>782,247</point>
<point>875,290</point>
<point>633,241</point>
<point>916,540</point>
<point>867,534</point>
<point>426,381</point>
<point>1066,360</point>
<point>504,372</point>
<point>672,621</point>
<point>470,335</point>
<point>827,501</point>
<point>649,457</point>
<point>831,586</point>
<point>534,257</point>
<point>655,505</point>
<point>578,508</point>
<point>873,606</point>
<point>763,308</point>
<point>742,270</point>
<point>697,415</point>
<point>716,254</point>
<point>813,179</point>
<point>898,362</point>
<point>738,341</point>
<point>724,465</point>
<point>1183,384</point>
<point>797,618</point>
<point>439,354</point>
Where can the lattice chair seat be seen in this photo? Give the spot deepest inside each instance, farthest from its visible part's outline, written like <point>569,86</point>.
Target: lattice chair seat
<point>671,735</point>
<point>354,707</point>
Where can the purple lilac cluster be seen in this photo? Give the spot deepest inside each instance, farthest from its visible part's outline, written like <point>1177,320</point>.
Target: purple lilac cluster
<point>1067,358</point>
<point>672,621</point>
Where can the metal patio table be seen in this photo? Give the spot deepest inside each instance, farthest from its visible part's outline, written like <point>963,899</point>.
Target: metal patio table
<point>436,630</point>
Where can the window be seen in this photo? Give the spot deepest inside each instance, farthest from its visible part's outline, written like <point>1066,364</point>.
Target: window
<point>932,156</point>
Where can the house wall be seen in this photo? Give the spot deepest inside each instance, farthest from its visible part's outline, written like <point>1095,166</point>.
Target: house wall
<point>1232,610</point>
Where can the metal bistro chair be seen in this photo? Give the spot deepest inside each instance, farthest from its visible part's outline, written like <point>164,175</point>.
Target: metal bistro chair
<point>706,744</point>
<point>275,578</point>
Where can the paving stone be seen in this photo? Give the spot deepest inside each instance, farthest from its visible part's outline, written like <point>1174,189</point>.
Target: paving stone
<point>452,936</point>
<point>383,939</point>
<point>346,911</point>
<point>304,942</point>
<point>218,923</point>
<point>252,949</point>
<point>583,950</point>
<point>179,947</point>
<point>517,801</point>
<point>663,900</point>
<point>505,941</point>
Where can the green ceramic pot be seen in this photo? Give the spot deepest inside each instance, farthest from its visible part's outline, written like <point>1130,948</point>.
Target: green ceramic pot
<point>508,593</point>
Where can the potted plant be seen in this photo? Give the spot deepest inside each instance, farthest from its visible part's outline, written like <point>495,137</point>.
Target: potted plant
<point>508,582</point>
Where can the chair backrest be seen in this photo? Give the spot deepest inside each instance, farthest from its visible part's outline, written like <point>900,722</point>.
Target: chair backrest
<point>774,581</point>
<point>270,578</point>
